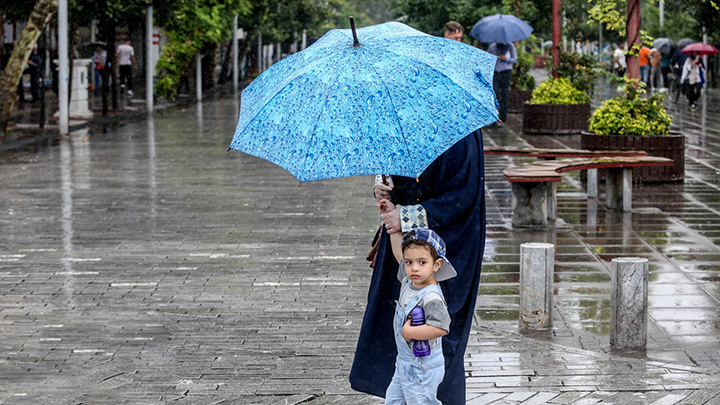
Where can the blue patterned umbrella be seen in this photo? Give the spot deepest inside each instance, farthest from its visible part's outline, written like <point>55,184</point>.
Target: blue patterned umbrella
<point>389,104</point>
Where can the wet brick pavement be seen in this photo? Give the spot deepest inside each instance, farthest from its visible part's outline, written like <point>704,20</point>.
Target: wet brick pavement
<point>146,265</point>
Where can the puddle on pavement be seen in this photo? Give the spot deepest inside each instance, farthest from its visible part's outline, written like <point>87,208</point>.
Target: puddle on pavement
<point>501,268</point>
<point>581,277</point>
<point>561,258</point>
<point>582,290</point>
<point>498,315</point>
<point>625,250</point>
<point>700,267</point>
<point>579,267</point>
<point>500,278</point>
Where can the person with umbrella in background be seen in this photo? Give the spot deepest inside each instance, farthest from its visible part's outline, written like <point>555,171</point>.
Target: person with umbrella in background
<point>501,30</point>
<point>507,57</point>
<point>692,78</point>
<point>693,74</point>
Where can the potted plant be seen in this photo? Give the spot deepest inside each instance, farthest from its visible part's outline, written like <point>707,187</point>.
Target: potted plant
<point>523,83</point>
<point>556,107</point>
<point>631,121</point>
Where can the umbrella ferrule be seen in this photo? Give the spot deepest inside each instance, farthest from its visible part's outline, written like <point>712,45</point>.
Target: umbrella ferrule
<point>356,42</point>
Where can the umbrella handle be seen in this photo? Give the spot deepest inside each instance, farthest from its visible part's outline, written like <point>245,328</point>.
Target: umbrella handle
<point>355,37</point>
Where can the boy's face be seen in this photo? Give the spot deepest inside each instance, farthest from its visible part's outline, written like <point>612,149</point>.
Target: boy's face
<point>420,267</point>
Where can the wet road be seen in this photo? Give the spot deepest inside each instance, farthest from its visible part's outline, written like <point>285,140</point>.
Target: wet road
<point>147,265</point>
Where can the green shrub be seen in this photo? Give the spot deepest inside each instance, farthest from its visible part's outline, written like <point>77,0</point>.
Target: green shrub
<point>558,91</point>
<point>631,114</point>
<point>581,69</point>
<point>522,79</point>
<point>174,61</point>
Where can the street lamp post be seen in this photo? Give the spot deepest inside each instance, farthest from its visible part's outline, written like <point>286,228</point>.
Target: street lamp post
<point>63,73</point>
<point>149,63</point>
<point>235,74</point>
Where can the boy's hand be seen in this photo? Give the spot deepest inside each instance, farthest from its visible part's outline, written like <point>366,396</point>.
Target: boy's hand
<point>405,329</point>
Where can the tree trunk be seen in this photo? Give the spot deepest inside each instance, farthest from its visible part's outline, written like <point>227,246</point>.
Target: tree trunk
<point>41,14</point>
<point>633,39</point>
<point>556,34</point>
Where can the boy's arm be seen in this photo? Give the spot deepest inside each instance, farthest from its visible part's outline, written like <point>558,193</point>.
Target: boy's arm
<point>421,332</point>
<point>396,243</point>
<point>385,206</point>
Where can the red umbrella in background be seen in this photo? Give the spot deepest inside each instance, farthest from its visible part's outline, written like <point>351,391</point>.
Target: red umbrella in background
<point>699,47</point>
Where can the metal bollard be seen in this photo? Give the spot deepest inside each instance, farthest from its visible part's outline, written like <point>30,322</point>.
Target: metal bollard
<point>629,303</point>
<point>537,263</point>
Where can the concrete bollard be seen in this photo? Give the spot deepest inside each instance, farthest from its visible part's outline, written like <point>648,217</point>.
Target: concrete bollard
<point>629,303</point>
<point>537,263</point>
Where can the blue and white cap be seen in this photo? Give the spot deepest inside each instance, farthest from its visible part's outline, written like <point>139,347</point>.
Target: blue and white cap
<point>446,271</point>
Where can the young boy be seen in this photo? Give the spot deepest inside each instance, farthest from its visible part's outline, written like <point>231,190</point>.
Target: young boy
<point>421,254</point>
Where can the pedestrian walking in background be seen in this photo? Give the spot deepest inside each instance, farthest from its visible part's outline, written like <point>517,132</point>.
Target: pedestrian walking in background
<point>644,60</point>
<point>99,59</point>
<point>692,78</point>
<point>33,69</point>
<point>619,58</point>
<point>419,365</point>
<point>656,80</point>
<point>125,56</point>
<point>665,68</point>
<point>507,57</point>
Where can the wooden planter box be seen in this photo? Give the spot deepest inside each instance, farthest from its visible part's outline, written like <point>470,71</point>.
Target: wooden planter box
<point>517,99</point>
<point>555,119</point>
<point>670,146</point>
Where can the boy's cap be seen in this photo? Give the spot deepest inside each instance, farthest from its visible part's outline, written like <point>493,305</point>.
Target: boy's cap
<point>446,271</point>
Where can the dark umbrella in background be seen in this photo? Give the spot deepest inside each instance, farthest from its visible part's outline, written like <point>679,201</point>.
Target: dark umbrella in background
<point>665,46</point>
<point>685,42</point>
<point>501,28</point>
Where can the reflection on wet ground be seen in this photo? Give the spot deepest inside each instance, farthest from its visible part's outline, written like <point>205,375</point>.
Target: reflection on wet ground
<point>676,226</point>
<point>141,263</point>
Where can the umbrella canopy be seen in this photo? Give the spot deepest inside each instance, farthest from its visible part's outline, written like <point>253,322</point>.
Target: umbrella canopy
<point>390,104</point>
<point>665,45</point>
<point>685,42</point>
<point>501,28</point>
<point>700,48</point>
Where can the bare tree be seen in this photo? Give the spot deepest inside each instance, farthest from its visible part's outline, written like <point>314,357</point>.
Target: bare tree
<point>41,14</point>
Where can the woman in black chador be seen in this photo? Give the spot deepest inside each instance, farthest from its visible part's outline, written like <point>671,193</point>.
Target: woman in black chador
<point>448,198</point>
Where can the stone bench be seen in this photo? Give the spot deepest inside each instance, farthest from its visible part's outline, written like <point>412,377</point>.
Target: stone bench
<point>534,184</point>
<point>551,154</point>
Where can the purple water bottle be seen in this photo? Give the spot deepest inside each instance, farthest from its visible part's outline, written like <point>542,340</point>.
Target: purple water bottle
<point>420,347</point>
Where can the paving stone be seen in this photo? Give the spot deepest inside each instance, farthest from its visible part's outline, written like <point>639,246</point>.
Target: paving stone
<point>154,269</point>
